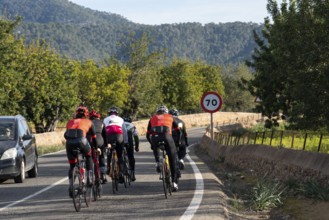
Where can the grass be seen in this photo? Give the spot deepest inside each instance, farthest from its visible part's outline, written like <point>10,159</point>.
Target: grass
<point>45,150</point>
<point>266,195</point>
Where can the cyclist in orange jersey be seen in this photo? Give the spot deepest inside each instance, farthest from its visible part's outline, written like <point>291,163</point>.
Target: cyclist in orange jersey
<point>75,135</point>
<point>160,129</point>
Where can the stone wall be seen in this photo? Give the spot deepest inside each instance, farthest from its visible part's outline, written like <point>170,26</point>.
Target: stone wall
<point>194,120</point>
<point>280,163</point>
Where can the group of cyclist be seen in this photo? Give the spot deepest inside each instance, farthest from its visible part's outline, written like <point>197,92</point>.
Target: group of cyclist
<point>88,132</point>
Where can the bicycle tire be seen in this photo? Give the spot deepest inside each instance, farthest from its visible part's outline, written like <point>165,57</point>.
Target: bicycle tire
<point>88,190</point>
<point>126,171</point>
<point>94,189</point>
<point>163,177</point>
<point>115,174</point>
<point>76,189</point>
<point>168,175</point>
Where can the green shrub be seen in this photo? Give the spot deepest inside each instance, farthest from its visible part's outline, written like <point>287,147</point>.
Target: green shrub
<point>266,195</point>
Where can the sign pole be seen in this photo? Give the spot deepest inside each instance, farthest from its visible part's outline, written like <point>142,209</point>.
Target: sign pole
<point>211,127</point>
<point>211,102</point>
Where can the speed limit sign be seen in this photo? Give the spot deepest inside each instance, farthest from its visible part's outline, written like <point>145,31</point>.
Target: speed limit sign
<point>211,102</point>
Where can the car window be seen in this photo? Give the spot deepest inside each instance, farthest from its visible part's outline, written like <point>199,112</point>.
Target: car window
<point>7,130</point>
<point>21,129</point>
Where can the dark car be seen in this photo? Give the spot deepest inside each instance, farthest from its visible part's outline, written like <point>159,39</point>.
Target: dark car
<point>18,151</point>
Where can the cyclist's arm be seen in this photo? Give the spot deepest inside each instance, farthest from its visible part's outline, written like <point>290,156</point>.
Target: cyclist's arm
<point>136,139</point>
<point>92,132</point>
<point>125,133</point>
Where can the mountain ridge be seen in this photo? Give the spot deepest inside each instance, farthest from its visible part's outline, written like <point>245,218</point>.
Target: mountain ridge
<point>82,33</point>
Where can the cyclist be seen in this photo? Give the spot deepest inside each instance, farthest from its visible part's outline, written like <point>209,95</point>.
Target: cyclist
<point>180,137</point>
<point>75,135</point>
<point>95,117</point>
<point>115,133</point>
<point>133,139</point>
<point>160,129</point>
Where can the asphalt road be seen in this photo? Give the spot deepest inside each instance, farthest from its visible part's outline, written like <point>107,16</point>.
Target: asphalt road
<point>46,197</point>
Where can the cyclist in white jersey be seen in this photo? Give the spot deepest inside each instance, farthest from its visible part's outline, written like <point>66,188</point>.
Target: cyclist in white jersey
<point>115,133</point>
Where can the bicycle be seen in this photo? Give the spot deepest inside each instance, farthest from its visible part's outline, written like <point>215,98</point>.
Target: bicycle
<point>97,187</point>
<point>79,188</point>
<point>165,174</point>
<point>114,167</point>
<point>126,167</point>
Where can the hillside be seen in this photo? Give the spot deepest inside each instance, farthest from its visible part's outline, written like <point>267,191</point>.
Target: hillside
<point>82,33</point>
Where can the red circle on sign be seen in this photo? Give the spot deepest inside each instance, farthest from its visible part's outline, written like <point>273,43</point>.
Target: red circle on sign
<point>211,102</point>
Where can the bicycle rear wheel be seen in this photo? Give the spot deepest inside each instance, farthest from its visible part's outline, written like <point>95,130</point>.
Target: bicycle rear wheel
<point>115,176</point>
<point>77,189</point>
<point>163,177</point>
<point>88,191</point>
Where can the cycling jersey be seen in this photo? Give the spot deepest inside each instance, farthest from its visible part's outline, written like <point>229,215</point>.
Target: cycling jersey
<point>162,123</point>
<point>82,124</point>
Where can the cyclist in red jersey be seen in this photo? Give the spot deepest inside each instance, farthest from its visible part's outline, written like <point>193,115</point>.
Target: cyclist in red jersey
<point>160,129</point>
<point>95,117</point>
<point>75,135</point>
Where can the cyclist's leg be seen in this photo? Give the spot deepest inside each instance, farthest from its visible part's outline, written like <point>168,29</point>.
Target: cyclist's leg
<point>102,164</point>
<point>70,144</point>
<point>131,158</point>
<point>119,150</point>
<point>86,151</point>
<point>171,151</point>
<point>156,152</point>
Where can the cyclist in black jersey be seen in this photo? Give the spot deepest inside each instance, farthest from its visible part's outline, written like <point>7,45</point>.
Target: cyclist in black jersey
<point>133,140</point>
<point>180,137</point>
<point>95,117</point>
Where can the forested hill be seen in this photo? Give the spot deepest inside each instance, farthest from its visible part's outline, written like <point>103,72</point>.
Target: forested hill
<point>82,33</point>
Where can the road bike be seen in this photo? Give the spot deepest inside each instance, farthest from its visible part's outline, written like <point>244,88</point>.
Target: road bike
<point>126,167</point>
<point>79,187</point>
<point>165,174</point>
<point>97,186</point>
<point>114,169</point>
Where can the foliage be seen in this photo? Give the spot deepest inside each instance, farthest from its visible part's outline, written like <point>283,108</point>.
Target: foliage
<point>265,195</point>
<point>291,63</point>
<point>237,97</point>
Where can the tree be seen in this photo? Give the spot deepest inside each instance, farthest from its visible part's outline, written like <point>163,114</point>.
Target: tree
<point>145,92</point>
<point>291,63</point>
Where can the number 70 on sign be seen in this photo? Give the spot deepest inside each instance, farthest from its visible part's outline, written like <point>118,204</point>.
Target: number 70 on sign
<point>211,102</point>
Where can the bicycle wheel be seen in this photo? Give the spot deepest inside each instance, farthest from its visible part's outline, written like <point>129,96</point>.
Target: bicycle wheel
<point>115,175</point>
<point>168,176</point>
<point>163,177</point>
<point>128,171</point>
<point>76,189</point>
<point>99,190</point>
<point>95,193</point>
<point>88,192</point>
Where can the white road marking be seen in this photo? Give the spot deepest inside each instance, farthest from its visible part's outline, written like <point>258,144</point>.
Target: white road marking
<point>35,194</point>
<point>198,193</point>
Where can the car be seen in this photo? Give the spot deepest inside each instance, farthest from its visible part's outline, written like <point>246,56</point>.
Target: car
<point>18,150</point>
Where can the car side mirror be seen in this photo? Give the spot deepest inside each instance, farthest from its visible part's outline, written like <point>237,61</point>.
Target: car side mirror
<point>27,137</point>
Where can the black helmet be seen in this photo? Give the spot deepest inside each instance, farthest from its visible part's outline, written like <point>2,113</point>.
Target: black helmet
<point>127,119</point>
<point>173,112</point>
<point>162,109</point>
<point>113,110</point>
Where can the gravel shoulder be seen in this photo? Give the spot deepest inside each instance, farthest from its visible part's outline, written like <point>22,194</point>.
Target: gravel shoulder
<point>236,185</point>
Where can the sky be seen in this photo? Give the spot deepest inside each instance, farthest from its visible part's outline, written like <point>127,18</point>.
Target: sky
<point>155,12</point>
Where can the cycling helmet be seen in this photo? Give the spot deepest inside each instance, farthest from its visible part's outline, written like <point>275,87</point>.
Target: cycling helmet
<point>173,112</point>
<point>81,111</point>
<point>127,119</point>
<point>94,114</point>
<point>113,110</point>
<point>162,109</point>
